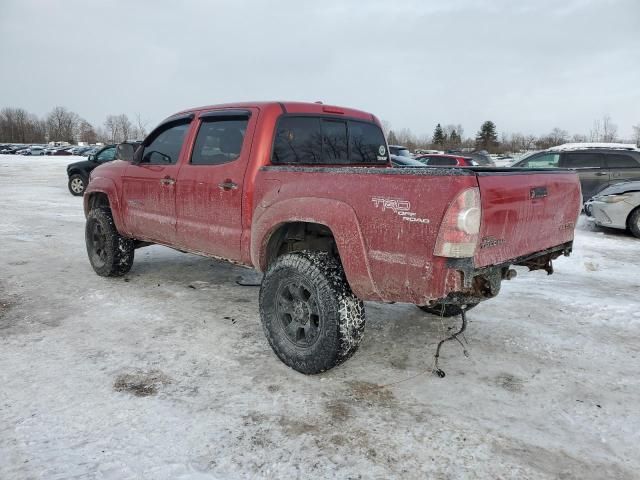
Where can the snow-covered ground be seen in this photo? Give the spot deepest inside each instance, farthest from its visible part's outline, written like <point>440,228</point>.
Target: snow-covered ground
<point>166,374</point>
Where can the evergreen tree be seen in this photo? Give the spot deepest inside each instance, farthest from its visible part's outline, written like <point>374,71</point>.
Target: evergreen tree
<point>455,139</point>
<point>392,139</point>
<point>487,138</point>
<point>438,136</point>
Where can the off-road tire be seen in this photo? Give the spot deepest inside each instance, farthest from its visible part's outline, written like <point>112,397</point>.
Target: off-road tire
<point>634,222</point>
<point>307,292</point>
<point>110,254</point>
<point>75,181</point>
<point>446,310</point>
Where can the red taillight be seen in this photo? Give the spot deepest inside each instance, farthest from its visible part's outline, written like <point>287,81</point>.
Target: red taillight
<point>458,235</point>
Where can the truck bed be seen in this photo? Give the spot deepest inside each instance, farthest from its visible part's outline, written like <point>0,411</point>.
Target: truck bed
<point>396,214</point>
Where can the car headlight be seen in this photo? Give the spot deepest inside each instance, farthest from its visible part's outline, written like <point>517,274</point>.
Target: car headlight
<point>612,198</point>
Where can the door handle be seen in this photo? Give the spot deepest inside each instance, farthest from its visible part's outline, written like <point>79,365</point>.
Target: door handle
<point>601,174</point>
<point>228,185</point>
<point>167,181</point>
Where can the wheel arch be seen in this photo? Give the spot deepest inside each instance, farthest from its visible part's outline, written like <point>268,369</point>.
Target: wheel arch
<point>102,192</point>
<point>321,225</point>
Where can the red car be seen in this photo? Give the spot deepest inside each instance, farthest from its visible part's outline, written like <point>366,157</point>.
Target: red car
<point>63,151</point>
<point>306,193</point>
<point>446,160</point>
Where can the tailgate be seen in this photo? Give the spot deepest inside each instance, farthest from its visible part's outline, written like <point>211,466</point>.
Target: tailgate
<point>524,212</point>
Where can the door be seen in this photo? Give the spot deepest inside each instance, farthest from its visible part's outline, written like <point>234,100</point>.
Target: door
<point>591,168</point>
<point>623,166</point>
<point>148,192</point>
<point>209,190</point>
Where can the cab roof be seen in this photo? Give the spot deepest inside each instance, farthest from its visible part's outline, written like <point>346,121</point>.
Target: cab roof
<point>290,107</point>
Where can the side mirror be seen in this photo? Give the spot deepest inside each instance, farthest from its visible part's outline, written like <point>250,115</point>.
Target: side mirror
<point>125,151</point>
<point>91,158</point>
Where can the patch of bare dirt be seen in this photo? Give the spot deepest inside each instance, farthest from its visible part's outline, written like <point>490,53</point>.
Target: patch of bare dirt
<point>141,383</point>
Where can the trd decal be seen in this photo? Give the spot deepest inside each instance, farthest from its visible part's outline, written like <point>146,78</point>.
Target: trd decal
<point>402,208</point>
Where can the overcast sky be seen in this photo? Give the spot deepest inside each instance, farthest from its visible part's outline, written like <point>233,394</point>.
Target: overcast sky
<point>527,65</point>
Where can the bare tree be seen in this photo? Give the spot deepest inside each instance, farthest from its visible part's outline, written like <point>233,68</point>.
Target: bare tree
<point>636,134</point>
<point>18,125</point>
<point>62,125</point>
<point>386,126</point>
<point>141,127</point>
<point>86,132</point>
<point>604,130</point>
<point>609,130</point>
<point>112,129</point>
<point>124,126</point>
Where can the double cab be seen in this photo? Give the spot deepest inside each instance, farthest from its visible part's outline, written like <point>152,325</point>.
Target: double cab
<point>306,194</point>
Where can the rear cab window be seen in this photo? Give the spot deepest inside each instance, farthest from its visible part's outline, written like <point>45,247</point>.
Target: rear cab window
<point>325,140</point>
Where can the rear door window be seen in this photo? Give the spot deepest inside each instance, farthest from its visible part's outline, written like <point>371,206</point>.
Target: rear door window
<point>620,160</point>
<point>219,141</point>
<point>320,140</point>
<point>583,160</point>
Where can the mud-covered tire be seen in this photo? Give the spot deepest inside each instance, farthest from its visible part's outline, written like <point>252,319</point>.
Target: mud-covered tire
<point>77,185</point>
<point>110,254</point>
<point>446,310</point>
<point>310,316</point>
<point>634,222</point>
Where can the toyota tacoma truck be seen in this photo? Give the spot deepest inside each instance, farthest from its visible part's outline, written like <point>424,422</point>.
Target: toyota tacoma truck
<point>306,194</point>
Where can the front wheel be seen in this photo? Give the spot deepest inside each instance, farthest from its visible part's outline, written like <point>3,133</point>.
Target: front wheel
<point>77,185</point>
<point>312,320</point>
<point>446,310</point>
<point>110,254</point>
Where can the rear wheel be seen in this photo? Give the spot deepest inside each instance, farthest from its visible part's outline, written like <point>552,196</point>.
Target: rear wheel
<point>110,254</point>
<point>77,185</point>
<point>312,320</point>
<point>634,222</point>
<point>446,310</point>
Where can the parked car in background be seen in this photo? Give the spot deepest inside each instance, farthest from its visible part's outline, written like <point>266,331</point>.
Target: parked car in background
<point>78,172</point>
<point>598,164</point>
<point>617,206</point>
<point>481,158</point>
<point>63,151</point>
<point>11,149</point>
<point>445,160</point>
<point>90,151</point>
<point>398,161</point>
<point>33,150</point>
<point>400,151</point>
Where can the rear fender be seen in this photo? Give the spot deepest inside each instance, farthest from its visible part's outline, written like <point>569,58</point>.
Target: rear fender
<point>337,216</point>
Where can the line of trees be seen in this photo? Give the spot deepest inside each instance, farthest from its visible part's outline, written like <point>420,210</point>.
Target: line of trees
<point>451,136</point>
<point>62,125</point>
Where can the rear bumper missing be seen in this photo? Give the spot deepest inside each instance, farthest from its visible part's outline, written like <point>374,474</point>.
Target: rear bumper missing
<point>480,284</point>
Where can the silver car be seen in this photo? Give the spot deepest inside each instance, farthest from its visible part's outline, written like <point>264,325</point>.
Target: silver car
<point>617,206</point>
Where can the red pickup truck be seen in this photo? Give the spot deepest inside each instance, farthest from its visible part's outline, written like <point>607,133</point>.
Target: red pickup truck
<point>305,193</point>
